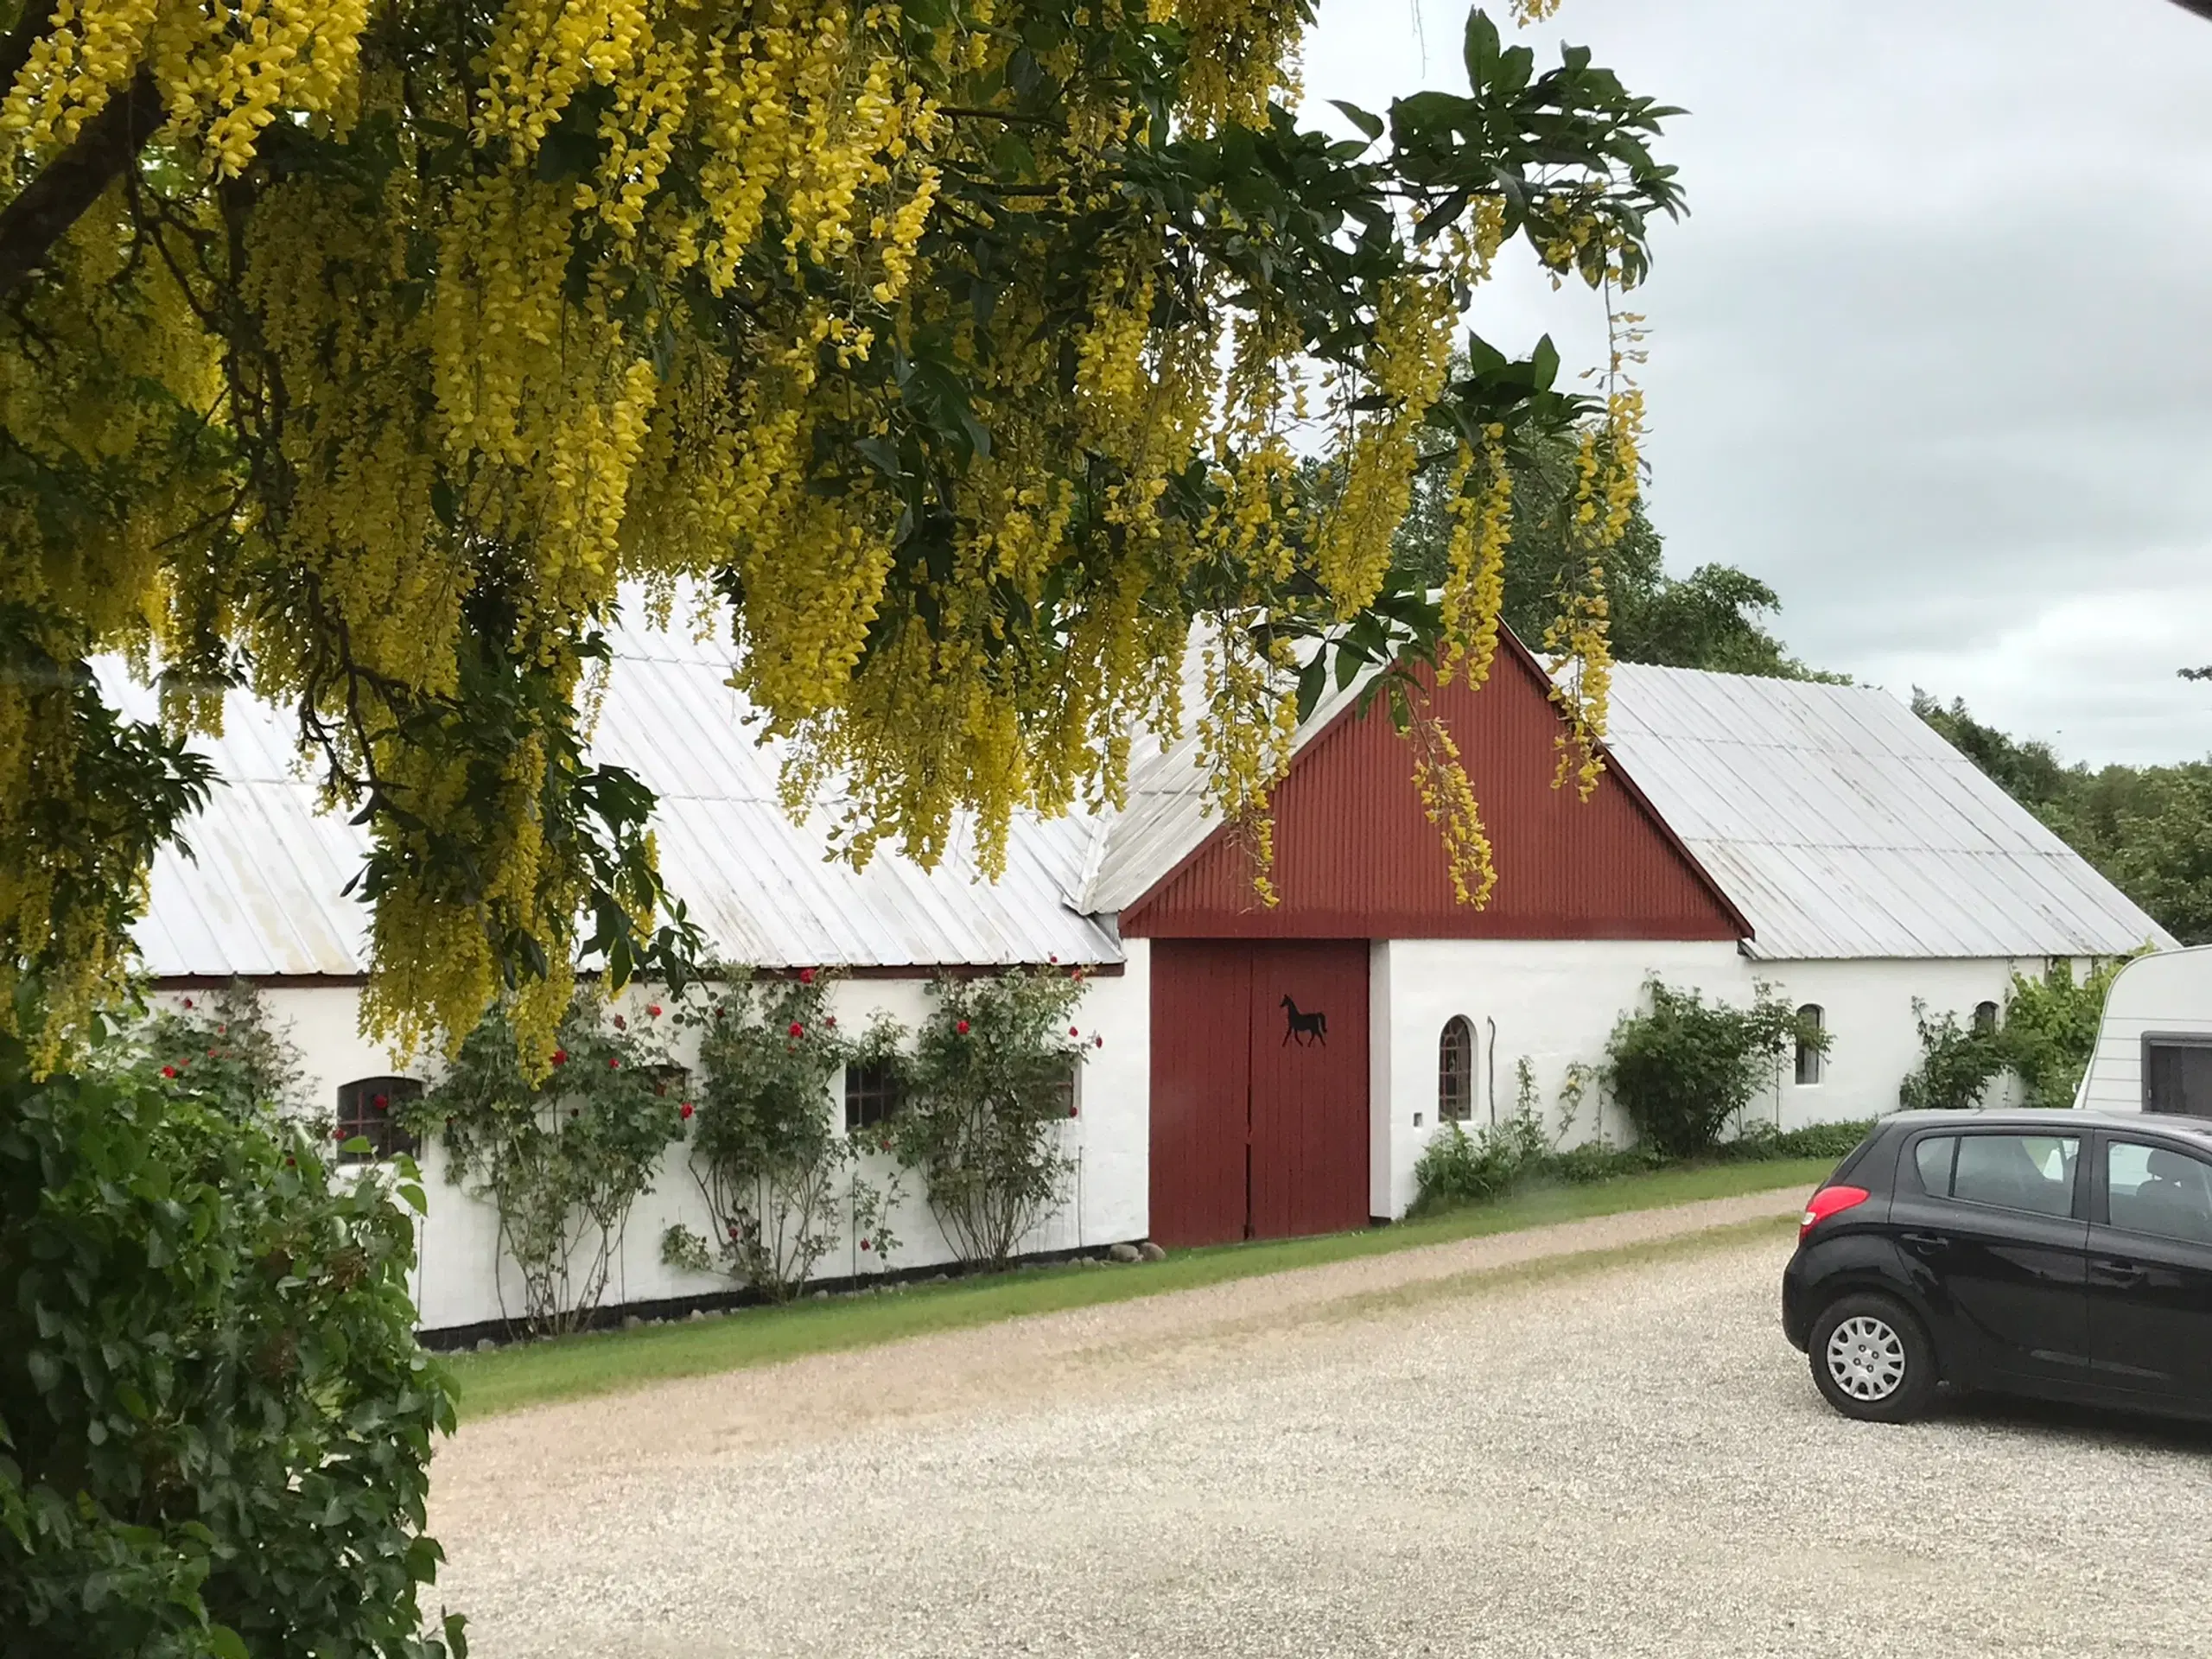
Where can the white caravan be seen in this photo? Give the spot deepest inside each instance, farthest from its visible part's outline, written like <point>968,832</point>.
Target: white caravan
<point>2154,1046</point>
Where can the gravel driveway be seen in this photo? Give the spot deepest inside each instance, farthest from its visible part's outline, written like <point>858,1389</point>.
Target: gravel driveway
<point>1455,1450</point>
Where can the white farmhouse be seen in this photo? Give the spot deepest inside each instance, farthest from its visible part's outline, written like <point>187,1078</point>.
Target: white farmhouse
<point>1264,1070</point>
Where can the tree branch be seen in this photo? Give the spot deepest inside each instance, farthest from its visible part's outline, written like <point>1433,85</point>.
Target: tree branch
<point>73,182</point>
<point>34,24</point>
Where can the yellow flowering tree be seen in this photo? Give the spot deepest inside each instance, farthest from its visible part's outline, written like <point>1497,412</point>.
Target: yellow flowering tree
<point>366,352</point>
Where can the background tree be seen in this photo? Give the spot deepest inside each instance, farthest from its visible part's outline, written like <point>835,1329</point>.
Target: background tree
<point>361,353</point>
<point>2148,830</point>
<point>1713,618</point>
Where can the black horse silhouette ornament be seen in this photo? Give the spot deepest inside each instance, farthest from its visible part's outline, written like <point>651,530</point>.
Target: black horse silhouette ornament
<point>1302,1026</point>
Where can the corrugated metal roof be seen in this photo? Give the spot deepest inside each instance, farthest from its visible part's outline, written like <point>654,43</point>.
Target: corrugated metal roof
<point>1843,825</point>
<point>1168,814</point>
<point>263,895</point>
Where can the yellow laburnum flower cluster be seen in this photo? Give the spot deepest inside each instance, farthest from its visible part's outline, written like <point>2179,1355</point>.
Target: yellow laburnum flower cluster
<point>600,317</point>
<point>224,70</point>
<point>1447,800</point>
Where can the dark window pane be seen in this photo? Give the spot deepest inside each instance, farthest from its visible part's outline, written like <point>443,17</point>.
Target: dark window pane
<point>1933,1156</point>
<point>1808,1056</point>
<point>2177,1077</point>
<point>1455,1072</point>
<point>2158,1190</point>
<point>1985,1016</point>
<point>871,1094</point>
<point>2018,1172</point>
<point>367,1111</point>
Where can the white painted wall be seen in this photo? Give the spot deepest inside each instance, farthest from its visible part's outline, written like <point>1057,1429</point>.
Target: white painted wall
<point>460,1279</point>
<point>1555,1002</point>
<point>2169,992</point>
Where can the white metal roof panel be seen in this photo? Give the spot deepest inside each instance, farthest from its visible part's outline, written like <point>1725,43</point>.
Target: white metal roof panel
<point>265,894</point>
<point>1842,824</point>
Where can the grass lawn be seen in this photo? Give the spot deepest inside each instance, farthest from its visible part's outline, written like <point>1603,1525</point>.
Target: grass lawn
<point>603,1362</point>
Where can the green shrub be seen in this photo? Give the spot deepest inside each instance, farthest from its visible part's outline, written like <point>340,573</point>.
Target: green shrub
<point>215,1422</point>
<point>1458,1168</point>
<point>2050,1029</point>
<point>561,1157</point>
<point>992,1076</point>
<point>1956,1063</point>
<point>768,1145</point>
<point>1683,1069</point>
<point>1762,1139</point>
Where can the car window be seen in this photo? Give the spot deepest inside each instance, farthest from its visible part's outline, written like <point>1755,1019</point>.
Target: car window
<point>2018,1172</point>
<point>2158,1191</point>
<point>1933,1156</point>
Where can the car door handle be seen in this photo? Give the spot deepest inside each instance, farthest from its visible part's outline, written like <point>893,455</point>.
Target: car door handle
<point>2120,1274</point>
<point>1925,1244</point>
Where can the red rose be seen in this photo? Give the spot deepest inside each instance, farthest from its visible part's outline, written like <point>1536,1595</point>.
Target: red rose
<point>1072,1032</point>
<point>1053,958</point>
<point>168,1071</point>
<point>222,1031</point>
<point>1072,1108</point>
<point>211,1053</point>
<point>653,1009</point>
<point>798,1030</point>
<point>806,976</point>
<point>685,1111</point>
<point>614,1063</point>
<point>865,1245</point>
<point>733,1229</point>
<point>560,1056</point>
<point>833,1022</point>
<point>188,1002</point>
<point>961,1028</point>
<point>620,1024</point>
<point>1076,974</point>
<point>1100,1042</point>
<point>337,1134</point>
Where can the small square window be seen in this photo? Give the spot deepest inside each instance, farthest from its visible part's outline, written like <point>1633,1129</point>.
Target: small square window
<point>368,1110</point>
<point>871,1094</point>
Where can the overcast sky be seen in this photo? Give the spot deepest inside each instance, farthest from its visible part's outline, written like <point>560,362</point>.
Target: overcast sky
<point>1932,354</point>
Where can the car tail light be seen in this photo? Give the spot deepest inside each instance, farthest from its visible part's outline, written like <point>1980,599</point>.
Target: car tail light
<point>1828,1201</point>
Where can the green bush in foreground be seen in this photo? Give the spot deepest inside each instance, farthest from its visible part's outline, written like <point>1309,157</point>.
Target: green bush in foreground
<point>215,1422</point>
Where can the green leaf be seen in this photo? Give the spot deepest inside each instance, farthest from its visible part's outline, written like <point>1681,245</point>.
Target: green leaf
<point>226,1643</point>
<point>1369,124</point>
<point>1480,49</point>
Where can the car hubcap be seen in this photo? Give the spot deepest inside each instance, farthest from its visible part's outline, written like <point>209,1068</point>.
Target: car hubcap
<point>1866,1358</point>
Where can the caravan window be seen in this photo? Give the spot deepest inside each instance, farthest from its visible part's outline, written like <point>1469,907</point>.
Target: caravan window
<point>2178,1075</point>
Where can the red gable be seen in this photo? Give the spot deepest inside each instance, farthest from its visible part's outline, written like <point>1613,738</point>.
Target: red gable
<point>1356,857</point>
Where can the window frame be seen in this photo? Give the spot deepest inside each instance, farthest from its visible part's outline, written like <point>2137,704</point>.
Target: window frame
<point>2078,1200</point>
<point>886,1094</point>
<point>387,1137</point>
<point>2100,1187</point>
<point>2151,1039</point>
<point>1809,1058</point>
<point>1988,1026</point>
<point>1461,1024</point>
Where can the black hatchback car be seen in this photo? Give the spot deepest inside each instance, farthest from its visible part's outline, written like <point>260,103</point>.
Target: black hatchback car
<point>2056,1253</point>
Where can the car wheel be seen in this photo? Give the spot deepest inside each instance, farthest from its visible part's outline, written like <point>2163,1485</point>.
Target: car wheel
<point>1872,1359</point>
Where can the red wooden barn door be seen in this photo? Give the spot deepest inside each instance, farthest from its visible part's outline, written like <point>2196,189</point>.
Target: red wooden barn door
<point>1309,1087</point>
<point>1259,1089</point>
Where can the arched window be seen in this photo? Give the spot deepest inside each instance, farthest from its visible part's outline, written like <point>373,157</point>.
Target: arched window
<point>1985,1017</point>
<point>1808,1054</point>
<point>1455,1072</point>
<point>368,1110</point>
